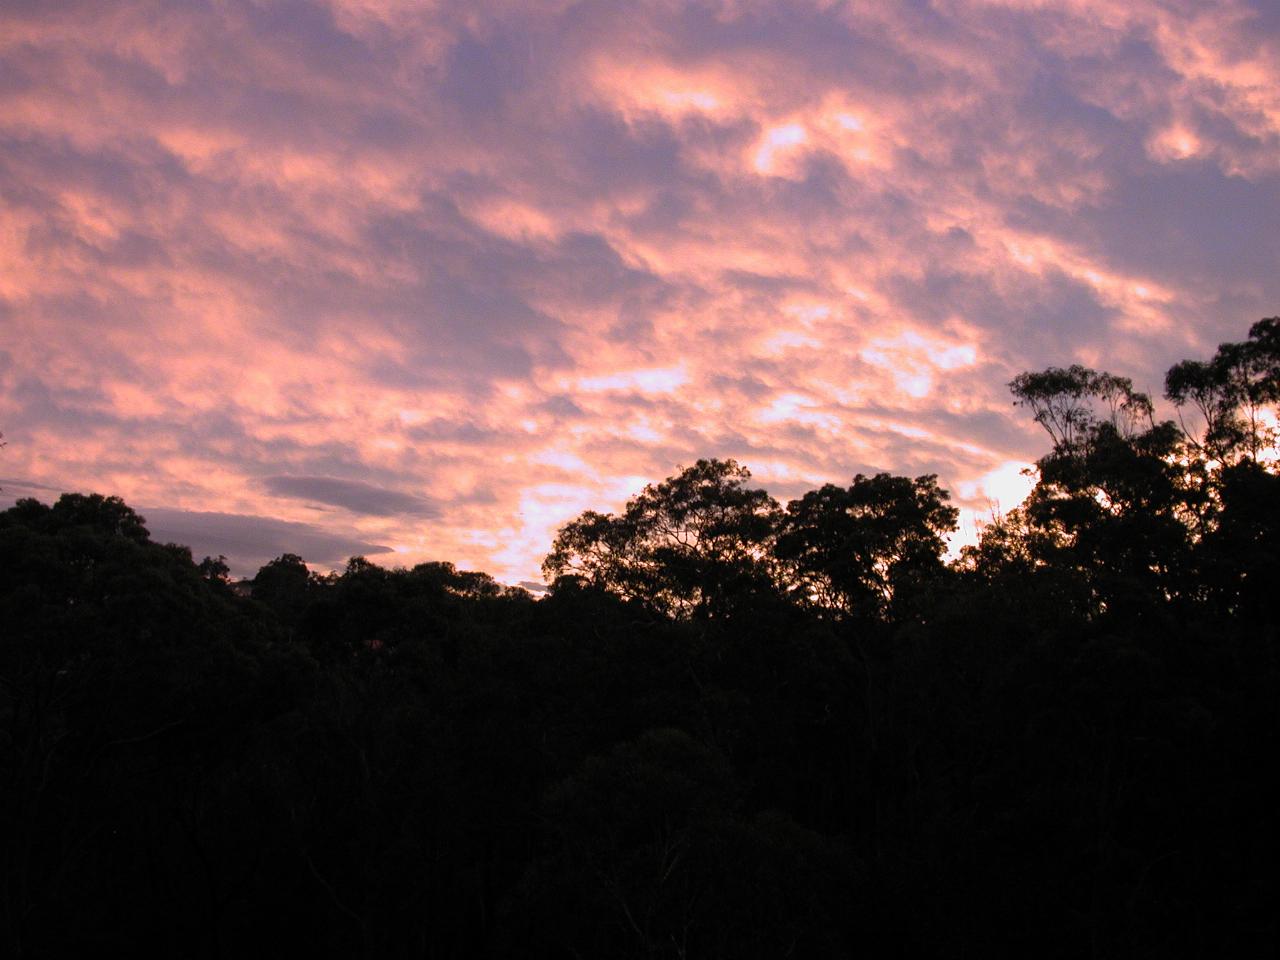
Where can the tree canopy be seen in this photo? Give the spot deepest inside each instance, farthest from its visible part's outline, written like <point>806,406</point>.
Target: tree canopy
<point>860,550</point>
<point>731,728</point>
<point>685,546</point>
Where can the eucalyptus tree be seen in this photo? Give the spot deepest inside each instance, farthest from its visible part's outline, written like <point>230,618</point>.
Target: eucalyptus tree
<point>1226,412</point>
<point>861,551</point>
<point>1230,393</point>
<point>688,546</point>
<point>1113,494</point>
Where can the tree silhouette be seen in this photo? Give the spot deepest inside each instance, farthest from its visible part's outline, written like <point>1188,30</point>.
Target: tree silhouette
<point>686,546</point>
<point>730,730</point>
<point>861,551</point>
<point>1229,392</point>
<point>285,585</point>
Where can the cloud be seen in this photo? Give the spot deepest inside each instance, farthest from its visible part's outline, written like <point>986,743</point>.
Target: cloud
<point>353,495</point>
<point>25,487</point>
<point>248,542</point>
<point>526,256</point>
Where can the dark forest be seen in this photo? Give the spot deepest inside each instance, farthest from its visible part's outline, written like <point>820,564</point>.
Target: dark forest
<point>732,728</point>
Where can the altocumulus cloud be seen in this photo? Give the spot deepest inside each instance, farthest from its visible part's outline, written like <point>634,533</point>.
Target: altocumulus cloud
<point>248,541</point>
<point>353,495</point>
<point>527,256</point>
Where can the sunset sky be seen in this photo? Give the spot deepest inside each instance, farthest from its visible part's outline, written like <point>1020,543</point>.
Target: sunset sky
<point>424,280</point>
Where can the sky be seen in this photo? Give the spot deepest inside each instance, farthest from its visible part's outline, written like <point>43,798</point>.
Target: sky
<point>425,280</point>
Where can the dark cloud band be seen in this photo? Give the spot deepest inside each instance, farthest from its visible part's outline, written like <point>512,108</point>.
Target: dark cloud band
<point>353,495</point>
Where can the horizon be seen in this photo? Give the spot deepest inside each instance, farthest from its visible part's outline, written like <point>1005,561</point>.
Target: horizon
<point>247,543</point>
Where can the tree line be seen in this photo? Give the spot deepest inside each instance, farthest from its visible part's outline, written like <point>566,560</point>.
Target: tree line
<point>731,729</point>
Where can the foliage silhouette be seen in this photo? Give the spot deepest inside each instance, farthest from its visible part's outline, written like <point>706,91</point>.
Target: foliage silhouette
<point>689,546</point>
<point>729,730</point>
<point>862,550</point>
